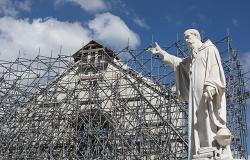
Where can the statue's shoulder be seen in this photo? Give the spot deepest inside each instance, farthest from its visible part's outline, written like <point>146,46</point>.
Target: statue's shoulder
<point>211,50</point>
<point>207,45</point>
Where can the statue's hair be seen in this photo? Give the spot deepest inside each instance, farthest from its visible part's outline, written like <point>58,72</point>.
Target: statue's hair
<point>193,32</point>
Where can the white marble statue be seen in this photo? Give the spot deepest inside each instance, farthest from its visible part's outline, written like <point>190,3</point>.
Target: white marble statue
<point>200,80</point>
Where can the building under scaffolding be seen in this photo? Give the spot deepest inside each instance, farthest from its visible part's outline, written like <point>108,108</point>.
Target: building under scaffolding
<point>98,104</point>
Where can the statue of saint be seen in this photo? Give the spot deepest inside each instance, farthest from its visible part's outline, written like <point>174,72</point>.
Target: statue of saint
<point>200,80</point>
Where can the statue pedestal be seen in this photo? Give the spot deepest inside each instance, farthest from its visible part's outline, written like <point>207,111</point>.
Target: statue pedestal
<point>221,151</point>
<point>207,153</point>
<point>211,153</point>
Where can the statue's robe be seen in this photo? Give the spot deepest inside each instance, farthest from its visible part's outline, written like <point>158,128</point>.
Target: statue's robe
<point>193,74</point>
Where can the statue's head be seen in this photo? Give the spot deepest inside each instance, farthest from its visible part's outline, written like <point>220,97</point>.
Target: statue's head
<point>192,38</point>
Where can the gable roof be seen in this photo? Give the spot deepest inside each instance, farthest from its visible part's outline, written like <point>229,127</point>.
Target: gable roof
<point>93,46</point>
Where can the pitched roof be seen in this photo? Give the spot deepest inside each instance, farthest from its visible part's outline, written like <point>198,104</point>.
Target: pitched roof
<point>94,46</point>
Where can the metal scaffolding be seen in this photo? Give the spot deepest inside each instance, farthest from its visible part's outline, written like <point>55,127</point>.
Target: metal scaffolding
<point>98,104</point>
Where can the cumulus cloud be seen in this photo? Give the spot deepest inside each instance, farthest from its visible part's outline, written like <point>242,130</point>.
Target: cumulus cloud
<point>26,36</point>
<point>13,7</point>
<point>141,22</point>
<point>111,29</point>
<point>47,34</point>
<point>87,5</point>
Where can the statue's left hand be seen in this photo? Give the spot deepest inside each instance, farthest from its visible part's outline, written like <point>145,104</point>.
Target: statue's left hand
<point>206,96</point>
<point>209,93</point>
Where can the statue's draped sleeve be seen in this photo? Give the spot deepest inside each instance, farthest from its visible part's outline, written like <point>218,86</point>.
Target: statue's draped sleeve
<point>181,72</point>
<point>215,78</point>
<point>214,71</point>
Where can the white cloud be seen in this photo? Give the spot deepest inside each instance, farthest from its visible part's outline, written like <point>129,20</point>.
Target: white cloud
<point>111,29</point>
<point>27,36</point>
<point>12,8</point>
<point>87,5</point>
<point>6,8</point>
<point>141,22</point>
<point>46,34</point>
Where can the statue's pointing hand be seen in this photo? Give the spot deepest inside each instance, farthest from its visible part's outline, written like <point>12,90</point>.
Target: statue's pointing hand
<point>155,50</point>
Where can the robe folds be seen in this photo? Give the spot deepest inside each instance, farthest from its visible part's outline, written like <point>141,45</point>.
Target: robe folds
<point>193,74</point>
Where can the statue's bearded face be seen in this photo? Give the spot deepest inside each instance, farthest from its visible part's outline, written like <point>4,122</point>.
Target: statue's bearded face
<point>192,41</point>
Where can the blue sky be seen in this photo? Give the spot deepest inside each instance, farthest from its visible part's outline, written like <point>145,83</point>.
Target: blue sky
<point>27,26</point>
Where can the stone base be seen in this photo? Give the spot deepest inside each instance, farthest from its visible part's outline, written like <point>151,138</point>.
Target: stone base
<point>210,153</point>
<point>206,153</point>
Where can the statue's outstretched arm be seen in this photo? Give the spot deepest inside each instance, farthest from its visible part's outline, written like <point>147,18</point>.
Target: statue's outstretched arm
<point>167,58</point>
